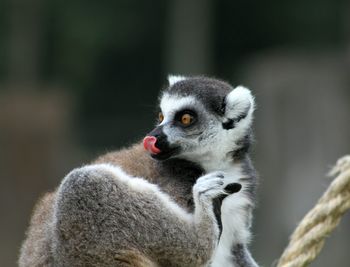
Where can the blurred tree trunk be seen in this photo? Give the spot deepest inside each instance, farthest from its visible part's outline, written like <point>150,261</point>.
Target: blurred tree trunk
<point>189,37</point>
<point>35,122</point>
<point>25,36</point>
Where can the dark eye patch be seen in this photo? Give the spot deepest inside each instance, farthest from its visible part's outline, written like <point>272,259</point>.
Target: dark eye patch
<point>180,113</point>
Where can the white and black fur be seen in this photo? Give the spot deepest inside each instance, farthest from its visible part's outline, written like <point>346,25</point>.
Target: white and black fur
<point>220,141</point>
<point>183,210</point>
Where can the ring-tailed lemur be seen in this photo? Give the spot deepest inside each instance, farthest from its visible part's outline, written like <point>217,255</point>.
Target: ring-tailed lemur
<point>179,211</point>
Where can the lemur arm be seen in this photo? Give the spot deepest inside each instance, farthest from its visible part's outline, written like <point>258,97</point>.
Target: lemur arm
<point>236,217</point>
<point>232,250</point>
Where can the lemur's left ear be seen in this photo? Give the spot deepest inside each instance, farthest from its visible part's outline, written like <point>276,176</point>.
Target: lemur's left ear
<point>238,105</point>
<point>172,79</point>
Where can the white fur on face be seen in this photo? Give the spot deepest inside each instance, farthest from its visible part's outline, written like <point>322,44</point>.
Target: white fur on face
<point>172,79</point>
<point>171,104</point>
<point>210,149</point>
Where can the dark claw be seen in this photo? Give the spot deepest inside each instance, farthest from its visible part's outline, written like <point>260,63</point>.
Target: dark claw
<point>233,188</point>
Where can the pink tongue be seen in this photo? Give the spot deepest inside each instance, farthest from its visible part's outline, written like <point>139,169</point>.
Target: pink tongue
<point>149,143</point>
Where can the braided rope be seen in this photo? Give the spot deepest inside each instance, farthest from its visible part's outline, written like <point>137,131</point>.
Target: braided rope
<point>308,239</point>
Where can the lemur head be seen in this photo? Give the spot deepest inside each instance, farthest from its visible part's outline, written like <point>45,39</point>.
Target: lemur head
<point>201,119</point>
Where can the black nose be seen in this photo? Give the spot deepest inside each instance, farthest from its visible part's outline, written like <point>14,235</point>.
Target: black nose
<point>157,132</point>
<point>162,142</point>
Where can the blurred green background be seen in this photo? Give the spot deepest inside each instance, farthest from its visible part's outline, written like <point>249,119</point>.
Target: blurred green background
<point>80,78</point>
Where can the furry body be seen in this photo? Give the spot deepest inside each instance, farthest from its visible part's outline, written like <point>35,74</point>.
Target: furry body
<point>103,215</point>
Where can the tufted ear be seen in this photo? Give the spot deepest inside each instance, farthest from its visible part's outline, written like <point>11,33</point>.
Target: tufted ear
<point>172,79</point>
<point>239,104</point>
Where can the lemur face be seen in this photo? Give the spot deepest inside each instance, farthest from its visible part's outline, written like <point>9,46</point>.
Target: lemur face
<point>199,118</point>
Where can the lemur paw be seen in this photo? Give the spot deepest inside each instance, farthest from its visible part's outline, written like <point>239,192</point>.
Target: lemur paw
<point>212,185</point>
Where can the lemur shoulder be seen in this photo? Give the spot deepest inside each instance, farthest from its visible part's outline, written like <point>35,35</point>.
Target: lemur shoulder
<point>171,200</point>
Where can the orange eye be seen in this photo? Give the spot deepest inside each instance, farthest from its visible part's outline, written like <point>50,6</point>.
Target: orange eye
<point>186,119</point>
<point>160,117</point>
